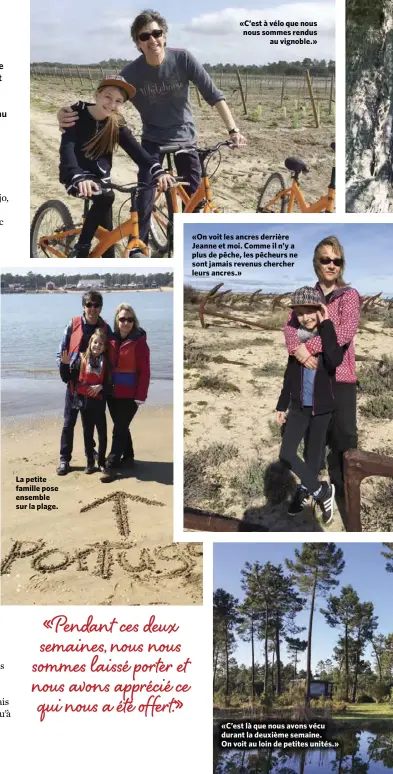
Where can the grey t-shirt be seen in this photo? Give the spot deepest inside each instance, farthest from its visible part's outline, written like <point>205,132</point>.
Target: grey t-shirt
<point>163,95</point>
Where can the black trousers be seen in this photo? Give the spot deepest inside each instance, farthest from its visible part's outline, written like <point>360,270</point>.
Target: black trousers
<point>187,166</point>
<point>91,419</point>
<point>67,433</point>
<point>122,411</point>
<point>342,432</point>
<point>300,423</point>
<point>99,214</point>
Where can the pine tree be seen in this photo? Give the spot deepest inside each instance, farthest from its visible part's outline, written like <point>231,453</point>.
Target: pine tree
<point>364,626</point>
<point>389,556</point>
<point>341,611</point>
<point>295,646</point>
<point>315,570</point>
<point>224,622</point>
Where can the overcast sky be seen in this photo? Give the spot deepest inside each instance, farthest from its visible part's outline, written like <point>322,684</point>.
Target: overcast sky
<point>95,30</point>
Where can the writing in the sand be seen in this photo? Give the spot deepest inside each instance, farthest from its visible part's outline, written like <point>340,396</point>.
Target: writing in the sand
<point>99,559</point>
<point>227,255</point>
<point>34,493</point>
<point>134,666</point>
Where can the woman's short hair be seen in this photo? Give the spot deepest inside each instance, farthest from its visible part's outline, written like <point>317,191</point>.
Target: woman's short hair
<point>147,17</point>
<point>335,244</point>
<point>129,309</point>
<point>94,296</point>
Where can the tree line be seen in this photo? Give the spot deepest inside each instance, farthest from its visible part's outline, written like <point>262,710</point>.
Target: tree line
<point>271,603</point>
<point>317,67</point>
<point>32,281</point>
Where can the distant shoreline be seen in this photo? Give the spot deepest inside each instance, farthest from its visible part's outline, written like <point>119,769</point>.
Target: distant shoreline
<point>58,291</point>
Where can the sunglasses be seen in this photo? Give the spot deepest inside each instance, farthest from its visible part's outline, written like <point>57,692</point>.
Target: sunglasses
<point>326,261</point>
<point>91,305</point>
<point>144,36</point>
<point>126,319</point>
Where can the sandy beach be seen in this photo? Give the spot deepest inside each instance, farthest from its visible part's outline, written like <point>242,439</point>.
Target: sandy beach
<point>102,544</point>
<point>232,380</point>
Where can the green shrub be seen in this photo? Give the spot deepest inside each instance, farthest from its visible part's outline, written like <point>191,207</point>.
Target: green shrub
<point>380,690</point>
<point>191,295</point>
<point>377,378</point>
<point>269,369</point>
<point>364,698</point>
<point>194,357</point>
<point>200,483</point>
<point>285,699</point>
<point>275,430</point>
<point>249,482</point>
<point>216,384</point>
<point>380,407</point>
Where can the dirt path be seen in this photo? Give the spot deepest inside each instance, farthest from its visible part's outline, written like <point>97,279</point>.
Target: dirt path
<point>240,177</point>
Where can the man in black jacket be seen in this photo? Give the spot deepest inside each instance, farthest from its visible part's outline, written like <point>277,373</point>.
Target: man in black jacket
<point>309,394</point>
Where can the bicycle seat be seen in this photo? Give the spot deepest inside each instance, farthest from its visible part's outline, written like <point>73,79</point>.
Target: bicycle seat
<point>333,146</point>
<point>296,165</point>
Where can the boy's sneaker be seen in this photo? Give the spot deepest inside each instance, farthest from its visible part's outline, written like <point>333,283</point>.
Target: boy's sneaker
<point>90,467</point>
<point>325,501</point>
<point>63,468</point>
<point>299,502</point>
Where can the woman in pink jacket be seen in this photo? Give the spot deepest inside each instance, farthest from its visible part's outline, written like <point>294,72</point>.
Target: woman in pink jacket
<point>344,305</point>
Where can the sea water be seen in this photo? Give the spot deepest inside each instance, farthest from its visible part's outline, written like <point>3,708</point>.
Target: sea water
<point>32,328</point>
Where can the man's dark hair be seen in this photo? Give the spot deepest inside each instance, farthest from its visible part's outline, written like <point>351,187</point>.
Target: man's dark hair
<point>94,296</point>
<point>147,17</point>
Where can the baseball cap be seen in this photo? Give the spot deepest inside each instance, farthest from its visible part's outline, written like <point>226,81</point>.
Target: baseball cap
<point>120,83</point>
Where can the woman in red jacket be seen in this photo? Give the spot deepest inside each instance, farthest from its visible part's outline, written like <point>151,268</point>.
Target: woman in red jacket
<point>129,356</point>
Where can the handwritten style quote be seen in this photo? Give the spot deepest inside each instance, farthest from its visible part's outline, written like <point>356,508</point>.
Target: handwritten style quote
<point>125,675</point>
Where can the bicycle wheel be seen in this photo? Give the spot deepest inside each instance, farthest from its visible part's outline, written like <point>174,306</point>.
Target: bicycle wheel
<point>52,217</point>
<point>161,223</point>
<point>274,184</point>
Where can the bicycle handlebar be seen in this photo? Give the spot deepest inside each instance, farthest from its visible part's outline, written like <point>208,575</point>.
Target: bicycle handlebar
<point>138,186</point>
<point>228,143</point>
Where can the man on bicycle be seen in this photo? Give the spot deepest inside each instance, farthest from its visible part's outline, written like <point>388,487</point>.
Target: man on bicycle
<point>161,77</point>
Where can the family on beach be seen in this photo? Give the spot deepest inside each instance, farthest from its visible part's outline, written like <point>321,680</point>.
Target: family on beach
<point>320,381</point>
<point>102,368</point>
<point>157,83</point>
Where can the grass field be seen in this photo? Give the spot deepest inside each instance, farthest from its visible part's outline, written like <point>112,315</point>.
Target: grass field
<point>363,712</point>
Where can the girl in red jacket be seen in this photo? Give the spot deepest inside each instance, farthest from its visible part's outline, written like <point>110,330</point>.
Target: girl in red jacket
<point>90,387</point>
<point>129,356</point>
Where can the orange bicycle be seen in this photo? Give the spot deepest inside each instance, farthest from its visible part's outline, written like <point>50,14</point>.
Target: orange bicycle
<point>53,232</point>
<point>275,197</point>
<point>174,200</point>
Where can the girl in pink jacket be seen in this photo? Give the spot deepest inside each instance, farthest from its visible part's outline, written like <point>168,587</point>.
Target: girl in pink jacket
<point>344,304</point>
